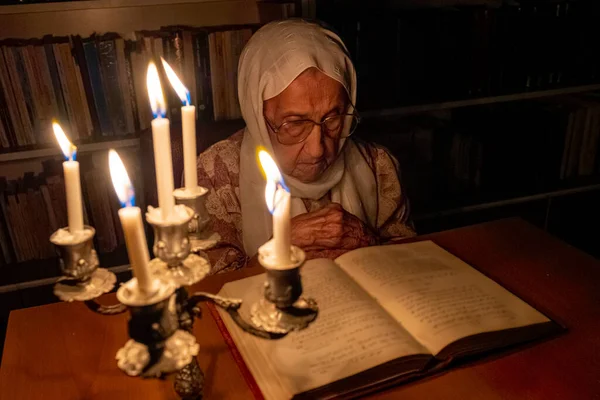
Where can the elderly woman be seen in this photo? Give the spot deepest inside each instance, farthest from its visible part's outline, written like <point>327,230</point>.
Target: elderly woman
<point>297,87</point>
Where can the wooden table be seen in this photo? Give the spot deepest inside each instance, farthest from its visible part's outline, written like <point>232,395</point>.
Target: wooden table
<point>64,351</point>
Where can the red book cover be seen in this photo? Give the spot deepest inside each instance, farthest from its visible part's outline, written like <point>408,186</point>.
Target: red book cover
<point>237,357</point>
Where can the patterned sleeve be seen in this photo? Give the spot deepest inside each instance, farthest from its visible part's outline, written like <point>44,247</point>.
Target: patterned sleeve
<point>218,171</point>
<point>393,216</point>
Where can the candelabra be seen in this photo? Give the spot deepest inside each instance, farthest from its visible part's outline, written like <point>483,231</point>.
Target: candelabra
<point>161,321</point>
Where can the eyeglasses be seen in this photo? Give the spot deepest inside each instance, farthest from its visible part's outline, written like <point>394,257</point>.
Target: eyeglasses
<point>294,132</point>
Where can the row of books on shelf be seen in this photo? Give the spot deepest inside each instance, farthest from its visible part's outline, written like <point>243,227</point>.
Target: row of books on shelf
<point>96,86</point>
<point>524,147</point>
<point>493,152</point>
<point>34,206</point>
<point>448,53</point>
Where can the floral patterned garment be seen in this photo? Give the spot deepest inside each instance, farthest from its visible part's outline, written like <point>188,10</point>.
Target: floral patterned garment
<point>218,171</point>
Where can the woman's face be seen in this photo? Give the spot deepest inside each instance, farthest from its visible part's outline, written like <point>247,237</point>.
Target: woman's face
<point>312,95</point>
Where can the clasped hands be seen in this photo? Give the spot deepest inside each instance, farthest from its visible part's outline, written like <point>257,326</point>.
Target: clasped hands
<point>330,232</point>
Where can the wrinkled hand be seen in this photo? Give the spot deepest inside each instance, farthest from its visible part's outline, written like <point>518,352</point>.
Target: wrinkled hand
<point>330,232</point>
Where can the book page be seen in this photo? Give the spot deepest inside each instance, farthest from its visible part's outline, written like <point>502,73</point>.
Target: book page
<point>436,296</point>
<point>351,334</point>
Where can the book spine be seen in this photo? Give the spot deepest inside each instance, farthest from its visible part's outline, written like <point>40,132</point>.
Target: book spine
<point>86,115</point>
<point>227,43</point>
<point>188,65</point>
<point>52,220</point>
<point>56,84</point>
<point>124,84</point>
<point>171,52</point>
<point>82,118</point>
<point>3,133</point>
<point>56,189</point>
<point>131,85</point>
<point>215,44</point>
<point>6,242</point>
<point>21,91</point>
<point>30,89</point>
<point>202,67</point>
<point>41,104</point>
<point>139,62</point>
<point>110,83</point>
<point>42,223</point>
<point>10,101</point>
<point>22,207</point>
<point>93,67</point>
<point>5,137</point>
<point>72,130</point>
<point>158,47</point>
<point>14,223</point>
<point>242,37</point>
<point>52,109</point>
<point>86,83</point>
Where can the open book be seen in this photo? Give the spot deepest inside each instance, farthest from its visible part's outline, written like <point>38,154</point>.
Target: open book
<point>386,314</point>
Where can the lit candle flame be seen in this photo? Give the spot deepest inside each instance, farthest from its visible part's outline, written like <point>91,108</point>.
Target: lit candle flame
<point>155,93</point>
<point>178,86</point>
<point>273,176</point>
<point>120,180</point>
<point>68,148</point>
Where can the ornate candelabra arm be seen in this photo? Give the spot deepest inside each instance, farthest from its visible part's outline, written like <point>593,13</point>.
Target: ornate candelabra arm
<point>112,309</point>
<point>232,306</point>
<point>222,302</point>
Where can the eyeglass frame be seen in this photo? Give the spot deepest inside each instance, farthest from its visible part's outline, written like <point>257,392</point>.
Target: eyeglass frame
<point>278,129</point>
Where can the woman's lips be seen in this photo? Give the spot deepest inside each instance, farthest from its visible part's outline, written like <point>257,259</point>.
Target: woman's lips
<point>312,164</point>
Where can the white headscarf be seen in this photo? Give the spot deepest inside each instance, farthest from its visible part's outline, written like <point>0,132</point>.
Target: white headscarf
<point>275,56</point>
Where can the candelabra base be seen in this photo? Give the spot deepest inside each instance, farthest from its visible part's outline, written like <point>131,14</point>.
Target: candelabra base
<point>100,281</point>
<point>180,349</point>
<point>266,315</point>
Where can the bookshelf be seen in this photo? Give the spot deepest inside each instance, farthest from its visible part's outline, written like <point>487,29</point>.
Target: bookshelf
<point>18,155</point>
<point>86,17</point>
<point>448,105</point>
<point>20,23</point>
<point>442,84</point>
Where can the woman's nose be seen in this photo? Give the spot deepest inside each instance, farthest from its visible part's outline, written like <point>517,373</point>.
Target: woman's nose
<point>314,145</point>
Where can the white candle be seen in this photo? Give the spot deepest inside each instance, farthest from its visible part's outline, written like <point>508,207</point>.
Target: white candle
<point>163,163</point>
<point>131,221</point>
<point>278,199</point>
<point>72,180</point>
<point>163,166</point>
<point>188,119</point>
<point>282,236</point>
<point>188,123</point>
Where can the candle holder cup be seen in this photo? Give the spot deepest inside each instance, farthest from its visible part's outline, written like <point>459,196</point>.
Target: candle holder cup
<point>82,280</point>
<point>201,238</point>
<point>283,309</point>
<point>171,241</point>
<point>172,248</point>
<point>157,345</point>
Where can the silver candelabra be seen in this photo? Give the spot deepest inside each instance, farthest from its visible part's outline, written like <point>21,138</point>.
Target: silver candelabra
<point>161,323</point>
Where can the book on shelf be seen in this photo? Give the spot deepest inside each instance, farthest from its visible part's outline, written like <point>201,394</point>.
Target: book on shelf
<point>386,314</point>
<point>34,206</point>
<point>96,86</point>
<point>465,50</point>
